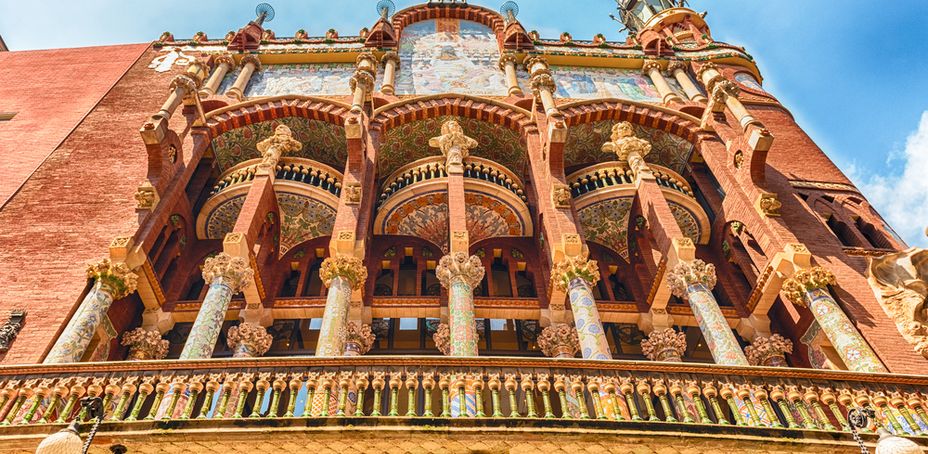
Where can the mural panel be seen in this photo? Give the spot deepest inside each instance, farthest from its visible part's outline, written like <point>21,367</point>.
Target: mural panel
<point>585,141</point>
<point>322,141</point>
<point>589,83</point>
<point>307,79</point>
<point>606,223</point>
<point>449,55</point>
<point>303,219</point>
<point>686,220</point>
<point>425,217</point>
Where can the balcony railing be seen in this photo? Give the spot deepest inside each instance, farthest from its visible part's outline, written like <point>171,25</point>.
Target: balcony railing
<point>299,170</point>
<point>775,402</point>
<point>614,173</point>
<point>433,167</point>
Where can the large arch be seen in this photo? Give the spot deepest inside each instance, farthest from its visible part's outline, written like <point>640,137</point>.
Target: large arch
<point>463,11</point>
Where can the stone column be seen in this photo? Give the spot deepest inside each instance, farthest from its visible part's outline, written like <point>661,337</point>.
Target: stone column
<point>145,344</point>
<point>678,69</point>
<point>342,275</point>
<point>809,288</point>
<point>507,63</point>
<point>358,338</point>
<point>224,63</point>
<point>226,276</point>
<point>652,69</point>
<point>543,86</point>
<point>112,281</point>
<point>460,274</point>
<point>248,340</point>
<point>694,281</point>
<point>181,86</point>
<point>769,351</point>
<point>362,82</point>
<point>577,275</point>
<point>725,92</point>
<point>559,341</point>
<point>664,345</point>
<point>390,61</point>
<point>250,63</point>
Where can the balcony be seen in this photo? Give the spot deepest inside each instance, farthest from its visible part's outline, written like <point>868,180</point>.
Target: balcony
<point>433,167</point>
<point>782,405</point>
<point>299,170</point>
<point>617,175</point>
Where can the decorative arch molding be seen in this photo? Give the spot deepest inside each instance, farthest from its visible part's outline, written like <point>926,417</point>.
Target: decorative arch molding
<point>267,109</point>
<point>673,122</point>
<point>463,11</point>
<point>424,107</point>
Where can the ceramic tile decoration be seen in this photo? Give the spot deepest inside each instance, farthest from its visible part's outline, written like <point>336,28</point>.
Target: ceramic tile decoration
<point>593,344</point>
<point>721,341</point>
<point>585,141</point>
<point>589,83</point>
<point>307,80</point>
<point>606,223</point>
<point>322,141</point>
<point>686,220</point>
<point>449,55</point>
<point>425,217</point>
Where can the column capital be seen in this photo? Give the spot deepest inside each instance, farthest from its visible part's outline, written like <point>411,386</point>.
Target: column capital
<point>116,278</point>
<point>189,84</point>
<point>350,268</point>
<point>253,60</point>
<point>442,338</point>
<point>454,145</point>
<point>145,344</point>
<point>234,271</point>
<point>275,146</point>
<point>531,60</point>
<point>806,280</point>
<point>559,341</point>
<point>706,67</point>
<point>650,65</point>
<point>248,340</point>
<point>362,78</point>
<point>575,267</point>
<point>664,345</point>
<point>224,58</point>
<point>724,89</point>
<point>366,59</point>
<point>542,80</point>
<point>769,351</point>
<point>684,274</point>
<point>390,56</point>
<point>507,58</point>
<point>625,143</point>
<point>358,338</point>
<point>459,266</point>
<point>677,64</point>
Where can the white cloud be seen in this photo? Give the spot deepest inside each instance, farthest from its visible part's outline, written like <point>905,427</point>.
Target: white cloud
<point>903,199</point>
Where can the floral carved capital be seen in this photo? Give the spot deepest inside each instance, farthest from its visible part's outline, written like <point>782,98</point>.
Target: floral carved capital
<point>442,338</point>
<point>358,338</point>
<point>459,266</point>
<point>189,84</point>
<point>145,344</point>
<point>116,278</point>
<point>542,81</point>
<point>559,341</point>
<point>576,267</point>
<point>362,79</point>
<point>802,282</point>
<point>685,274</point>
<point>275,146</point>
<point>664,345</point>
<point>234,271</point>
<point>769,351</point>
<point>350,268</point>
<point>248,340</point>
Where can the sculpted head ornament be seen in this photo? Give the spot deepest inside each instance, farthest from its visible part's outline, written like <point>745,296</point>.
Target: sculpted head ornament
<point>900,282</point>
<point>625,145</point>
<point>452,142</point>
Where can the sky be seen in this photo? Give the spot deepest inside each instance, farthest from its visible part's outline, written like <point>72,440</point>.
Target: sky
<point>852,73</point>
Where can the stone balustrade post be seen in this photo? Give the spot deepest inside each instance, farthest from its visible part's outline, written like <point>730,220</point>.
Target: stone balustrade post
<point>460,274</point>
<point>342,275</point>
<point>769,351</point>
<point>507,63</point>
<point>362,82</point>
<point>543,85</point>
<point>652,69</point>
<point>664,345</point>
<point>678,69</point>
<point>559,341</point>
<point>693,281</point>
<point>112,281</point>
<point>577,275</point>
<point>809,288</point>
<point>226,276</point>
<point>224,62</point>
<point>391,61</point>
<point>250,63</point>
<point>248,340</point>
<point>274,147</point>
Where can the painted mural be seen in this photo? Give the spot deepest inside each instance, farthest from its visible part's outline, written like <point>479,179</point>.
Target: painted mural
<point>425,217</point>
<point>585,141</point>
<point>449,55</point>
<point>307,79</point>
<point>589,83</point>
<point>606,223</point>
<point>303,219</point>
<point>686,220</point>
<point>322,141</point>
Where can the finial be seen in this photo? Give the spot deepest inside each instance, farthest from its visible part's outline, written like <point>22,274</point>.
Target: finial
<point>264,13</point>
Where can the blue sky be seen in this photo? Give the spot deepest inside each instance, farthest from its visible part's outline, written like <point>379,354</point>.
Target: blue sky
<point>851,72</point>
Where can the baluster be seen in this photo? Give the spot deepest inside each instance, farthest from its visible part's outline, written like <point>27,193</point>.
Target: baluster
<point>628,392</point>
<point>244,388</point>
<point>779,396</point>
<point>395,383</point>
<point>229,383</point>
<point>477,384</point>
<point>528,388</point>
<point>861,399</point>
<point>494,385</point>
<point>40,392</point>
<point>9,392</point>
<point>592,385</point>
<point>277,386</point>
<point>75,393</point>
<point>177,387</point>
<point>692,390</point>
<point>262,385</point>
<point>411,385</point>
<point>728,394</point>
<point>795,397</point>
<point>361,383</point>
<point>676,390</point>
<point>428,384</point>
<point>128,389</point>
<point>644,390</point>
<point>344,382</point>
<point>576,387</point>
<point>744,393</point>
<point>312,384</point>
<point>460,384</point>
<point>95,389</point>
<point>212,385</point>
<point>378,383</point>
<point>110,392</point>
<point>327,381</point>
<point>712,393</point>
<point>560,386</point>
<point>812,398</point>
<point>161,388</point>
<point>443,384</point>
<point>612,391</point>
<point>24,392</point>
<point>882,402</point>
<point>760,393</point>
<point>511,386</point>
<point>897,402</point>
<point>196,385</point>
<point>544,387</point>
<point>57,395</point>
<point>829,398</point>
<point>915,402</point>
<point>660,390</point>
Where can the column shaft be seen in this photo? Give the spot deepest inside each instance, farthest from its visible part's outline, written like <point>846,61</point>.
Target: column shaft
<point>719,337</point>
<point>843,335</point>
<point>205,331</point>
<point>511,80</point>
<point>249,64</point>
<point>171,104</point>
<point>653,70</point>
<point>212,84</point>
<point>73,342</point>
<point>389,77</point>
<point>335,318</point>
<point>461,319</point>
<point>593,343</point>
<point>688,86</point>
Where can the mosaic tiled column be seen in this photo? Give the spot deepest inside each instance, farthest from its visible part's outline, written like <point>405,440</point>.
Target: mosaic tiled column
<point>226,276</point>
<point>559,341</point>
<point>358,338</point>
<point>248,340</point>
<point>341,274</point>
<point>112,281</point>
<point>577,275</point>
<point>769,351</point>
<point>460,274</point>
<point>145,344</point>
<point>664,345</point>
<point>693,281</point>
<point>809,288</point>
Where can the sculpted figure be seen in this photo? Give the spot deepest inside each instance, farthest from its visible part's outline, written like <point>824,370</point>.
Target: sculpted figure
<point>900,281</point>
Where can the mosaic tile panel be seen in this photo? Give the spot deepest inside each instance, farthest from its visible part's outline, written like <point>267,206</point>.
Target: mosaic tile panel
<point>449,56</point>
<point>719,337</point>
<point>305,79</point>
<point>303,219</point>
<point>322,141</point>
<point>593,344</point>
<point>220,221</point>
<point>606,223</point>
<point>585,141</point>
<point>686,220</point>
<point>409,142</point>
<point>425,217</point>
<point>589,83</point>
<point>488,217</point>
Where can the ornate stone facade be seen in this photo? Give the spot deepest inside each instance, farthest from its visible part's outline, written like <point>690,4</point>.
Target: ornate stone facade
<point>349,268</point>
<point>769,351</point>
<point>234,272</point>
<point>459,267</point>
<point>685,274</point>
<point>248,340</point>
<point>454,145</point>
<point>145,344</point>
<point>358,338</point>
<point>571,268</point>
<point>275,146</point>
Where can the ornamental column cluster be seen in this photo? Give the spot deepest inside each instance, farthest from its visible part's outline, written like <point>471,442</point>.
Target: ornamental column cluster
<point>342,275</point>
<point>543,85</point>
<point>679,71</point>
<point>250,63</point>
<point>223,63</point>
<point>724,92</point>
<point>390,61</point>
<point>460,274</point>
<point>507,63</point>
<point>652,69</point>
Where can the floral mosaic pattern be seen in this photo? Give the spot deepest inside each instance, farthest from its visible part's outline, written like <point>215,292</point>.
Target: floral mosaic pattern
<point>425,217</point>
<point>322,141</point>
<point>461,319</point>
<point>585,141</point>
<point>410,141</point>
<point>719,338</point>
<point>843,335</point>
<point>335,318</point>
<point>449,55</point>
<point>593,343</point>
<point>302,219</point>
<point>589,83</point>
<point>487,217</point>
<point>75,339</point>
<point>205,330</point>
<point>606,223</point>
<point>686,220</point>
<point>307,79</point>
<point>220,221</point>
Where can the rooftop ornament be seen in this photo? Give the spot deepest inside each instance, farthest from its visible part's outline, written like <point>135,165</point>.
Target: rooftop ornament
<point>509,10</point>
<point>265,13</point>
<point>385,8</point>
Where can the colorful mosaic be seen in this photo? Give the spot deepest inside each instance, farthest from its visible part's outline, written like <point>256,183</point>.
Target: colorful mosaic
<point>449,55</point>
<point>593,343</point>
<point>719,338</point>
<point>461,319</point>
<point>307,79</point>
<point>589,83</point>
<point>221,220</point>
<point>686,220</point>
<point>409,142</point>
<point>425,217</point>
<point>487,217</point>
<point>841,332</point>
<point>205,332</point>
<point>75,339</point>
<point>334,318</point>
<point>748,80</point>
<point>302,219</point>
<point>322,141</point>
<point>606,223</point>
<point>585,141</point>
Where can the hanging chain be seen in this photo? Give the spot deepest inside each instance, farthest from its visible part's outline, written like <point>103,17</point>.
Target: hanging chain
<point>859,418</point>
<point>93,406</point>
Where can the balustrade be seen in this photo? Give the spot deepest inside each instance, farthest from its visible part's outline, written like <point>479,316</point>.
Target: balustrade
<point>299,170</point>
<point>433,167</point>
<point>614,173</point>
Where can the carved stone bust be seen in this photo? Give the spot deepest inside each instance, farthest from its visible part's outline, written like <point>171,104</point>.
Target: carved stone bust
<point>900,281</point>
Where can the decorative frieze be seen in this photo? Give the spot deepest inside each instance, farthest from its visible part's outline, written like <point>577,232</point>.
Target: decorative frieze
<point>459,266</point>
<point>664,345</point>
<point>559,341</point>
<point>575,267</point>
<point>769,351</point>
<point>234,271</point>
<point>145,344</point>
<point>248,340</point>
<point>115,278</point>
<point>685,274</point>
<point>358,338</point>
<point>349,268</point>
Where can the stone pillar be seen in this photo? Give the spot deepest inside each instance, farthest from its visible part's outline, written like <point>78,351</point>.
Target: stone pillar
<point>769,351</point>
<point>664,345</point>
<point>224,63</point>
<point>455,147</point>
<point>809,288</point>
<point>390,62</point>
<point>543,86</point>
<point>250,63</point>
<point>248,340</point>
<point>652,69</point>
<point>145,344</point>
<point>694,281</point>
<point>678,69</point>
<point>362,82</point>
<point>559,341</point>
<point>725,92</point>
<point>358,338</point>
<point>112,281</point>
<point>460,274</point>
<point>577,275</point>
<point>507,63</point>
<point>181,86</point>
<point>342,275</point>
<point>226,276</point>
